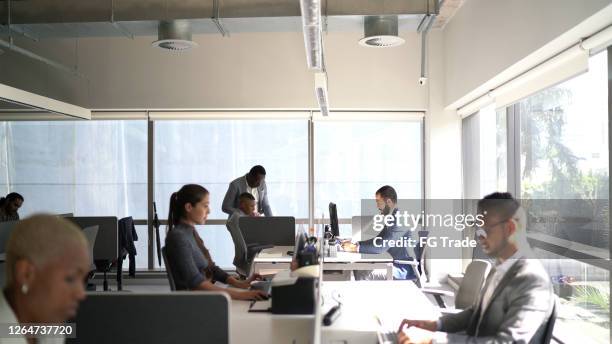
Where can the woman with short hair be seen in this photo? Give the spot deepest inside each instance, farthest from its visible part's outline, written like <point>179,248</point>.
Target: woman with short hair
<point>47,258</point>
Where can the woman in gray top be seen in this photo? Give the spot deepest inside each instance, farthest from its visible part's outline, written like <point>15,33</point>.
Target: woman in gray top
<point>189,259</point>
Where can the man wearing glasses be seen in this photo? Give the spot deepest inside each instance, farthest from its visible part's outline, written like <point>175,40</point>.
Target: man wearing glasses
<point>517,299</point>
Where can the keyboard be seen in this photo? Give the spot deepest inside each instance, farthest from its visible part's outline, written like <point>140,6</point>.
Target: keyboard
<point>387,337</point>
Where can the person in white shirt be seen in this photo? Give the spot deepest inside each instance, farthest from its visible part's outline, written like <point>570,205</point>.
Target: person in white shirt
<point>517,299</point>
<point>47,259</point>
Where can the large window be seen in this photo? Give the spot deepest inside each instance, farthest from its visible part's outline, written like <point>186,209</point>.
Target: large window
<point>92,168</point>
<point>354,159</point>
<point>99,167</point>
<point>88,168</point>
<point>564,138</point>
<point>564,155</point>
<point>558,163</point>
<point>485,154</point>
<point>213,153</point>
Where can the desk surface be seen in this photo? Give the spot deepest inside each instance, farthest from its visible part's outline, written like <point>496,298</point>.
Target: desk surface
<point>391,301</point>
<point>278,254</point>
<point>350,257</point>
<point>268,328</point>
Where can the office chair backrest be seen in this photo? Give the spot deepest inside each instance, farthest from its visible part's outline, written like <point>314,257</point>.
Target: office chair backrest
<point>362,227</point>
<point>6,228</point>
<point>90,234</point>
<point>180,317</point>
<point>240,248</point>
<point>550,325</point>
<point>168,270</point>
<point>472,283</point>
<point>107,241</point>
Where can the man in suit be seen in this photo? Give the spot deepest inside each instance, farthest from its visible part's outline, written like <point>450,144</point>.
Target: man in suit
<point>253,183</point>
<point>517,300</point>
<point>386,201</point>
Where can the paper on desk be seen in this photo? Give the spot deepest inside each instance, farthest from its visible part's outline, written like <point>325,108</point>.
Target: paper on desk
<point>261,306</point>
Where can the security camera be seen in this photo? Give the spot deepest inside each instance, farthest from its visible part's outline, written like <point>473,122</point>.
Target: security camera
<point>422,81</point>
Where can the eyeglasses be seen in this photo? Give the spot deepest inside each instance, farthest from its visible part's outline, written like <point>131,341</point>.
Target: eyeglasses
<point>484,231</point>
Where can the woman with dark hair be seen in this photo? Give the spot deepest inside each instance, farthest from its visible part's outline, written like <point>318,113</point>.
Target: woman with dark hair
<point>189,259</point>
<point>9,206</point>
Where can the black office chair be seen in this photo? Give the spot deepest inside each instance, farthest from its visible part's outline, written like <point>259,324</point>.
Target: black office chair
<point>91,233</point>
<point>550,326</point>
<point>168,270</point>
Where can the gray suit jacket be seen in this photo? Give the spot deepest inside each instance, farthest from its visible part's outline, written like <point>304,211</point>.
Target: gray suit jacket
<point>238,186</point>
<point>518,311</point>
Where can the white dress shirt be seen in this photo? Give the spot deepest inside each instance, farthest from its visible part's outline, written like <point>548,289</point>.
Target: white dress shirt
<point>7,317</point>
<point>255,193</point>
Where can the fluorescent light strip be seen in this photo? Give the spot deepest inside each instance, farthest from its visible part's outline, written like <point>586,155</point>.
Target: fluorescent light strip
<point>321,92</point>
<point>311,22</point>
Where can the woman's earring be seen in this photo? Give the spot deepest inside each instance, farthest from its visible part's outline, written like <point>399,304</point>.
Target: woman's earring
<point>24,289</point>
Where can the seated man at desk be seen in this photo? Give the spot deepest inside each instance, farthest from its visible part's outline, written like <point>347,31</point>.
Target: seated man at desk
<point>243,258</point>
<point>517,300</point>
<point>9,206</point>
<point>254,183</point>
<point>386,201</point>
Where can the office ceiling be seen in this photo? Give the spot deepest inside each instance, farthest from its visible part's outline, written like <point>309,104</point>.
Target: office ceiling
<point>407,23</point>
<point>42,19</point>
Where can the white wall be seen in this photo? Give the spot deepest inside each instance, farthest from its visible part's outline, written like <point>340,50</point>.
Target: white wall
<point>247,70</point>
<point>486,37</point>
<point>442,148</point>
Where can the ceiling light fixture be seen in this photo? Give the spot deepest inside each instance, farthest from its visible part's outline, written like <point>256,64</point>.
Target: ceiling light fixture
<point>321,92</point>
<point>311,22</point>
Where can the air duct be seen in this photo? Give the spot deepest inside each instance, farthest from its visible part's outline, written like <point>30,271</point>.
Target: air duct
<point>174,35</point>
<point>381,32</point>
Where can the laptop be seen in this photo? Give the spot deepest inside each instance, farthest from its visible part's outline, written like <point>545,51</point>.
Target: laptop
<point>385,334</point>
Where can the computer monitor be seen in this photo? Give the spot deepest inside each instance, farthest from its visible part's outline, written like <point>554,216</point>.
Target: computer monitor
<point>333,219</point>
<point>264,230</point>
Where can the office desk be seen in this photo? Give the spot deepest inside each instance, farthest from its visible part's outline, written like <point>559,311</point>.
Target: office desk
<point>273,259</point>
<point>268,328</point>
<point>357,261</point>
<point>391,301</point>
